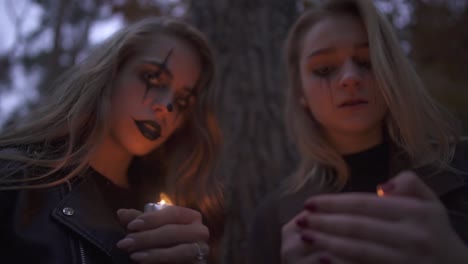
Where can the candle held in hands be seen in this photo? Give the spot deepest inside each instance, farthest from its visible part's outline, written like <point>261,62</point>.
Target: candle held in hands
<point>163,203</point>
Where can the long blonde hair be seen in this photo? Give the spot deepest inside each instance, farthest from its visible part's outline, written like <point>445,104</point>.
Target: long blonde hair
<point>414,120</point>
<point>62,133</point>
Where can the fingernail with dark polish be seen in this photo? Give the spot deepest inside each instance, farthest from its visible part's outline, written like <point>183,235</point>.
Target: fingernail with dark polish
<point>324,260</point>
<point>310,207</point>
<point>307,239</point>
<point>302,223</point>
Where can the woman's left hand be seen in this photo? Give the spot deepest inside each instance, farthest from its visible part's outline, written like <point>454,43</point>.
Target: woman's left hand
<point>170,235</point>
<point>407,225</point>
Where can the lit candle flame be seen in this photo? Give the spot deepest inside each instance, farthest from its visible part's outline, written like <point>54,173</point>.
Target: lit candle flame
<point>380,192</point>
<point>164,199</point>
<point>163,203</point>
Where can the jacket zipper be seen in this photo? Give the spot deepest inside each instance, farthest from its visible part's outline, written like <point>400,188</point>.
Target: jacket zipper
<point>82,253</point>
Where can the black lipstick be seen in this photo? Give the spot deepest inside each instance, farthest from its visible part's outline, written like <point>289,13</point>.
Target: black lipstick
<point>149,129</point>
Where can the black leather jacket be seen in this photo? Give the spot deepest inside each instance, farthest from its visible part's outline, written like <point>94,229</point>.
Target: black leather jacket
<point>69,223</point>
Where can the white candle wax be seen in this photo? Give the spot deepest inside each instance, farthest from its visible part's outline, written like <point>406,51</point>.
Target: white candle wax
<point>151,207</point>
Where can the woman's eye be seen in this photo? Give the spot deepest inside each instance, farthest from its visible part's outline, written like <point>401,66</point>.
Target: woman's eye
<point>324,71</point>
<point>363,63</point>
<point>152,77</point>
<point>182,102</point>
<point>186,101</point>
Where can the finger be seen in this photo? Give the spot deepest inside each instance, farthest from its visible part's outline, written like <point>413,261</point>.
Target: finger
<point>126,216</point>
<point>318,257</point>
<point>165,236</point>
<point>295,251</point>
<point>324,257</point>
<point>183,253</point>
<point>352,250</point>
<point>292,225</point>
<point>401,235</point>
<point>168,215</point>
<point>292,247</point>
<point>354,227</point>
<point>407,183</point>
<point>393,208</point>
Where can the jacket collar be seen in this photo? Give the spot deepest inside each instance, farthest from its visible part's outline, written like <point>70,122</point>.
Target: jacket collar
<point>84,211</point>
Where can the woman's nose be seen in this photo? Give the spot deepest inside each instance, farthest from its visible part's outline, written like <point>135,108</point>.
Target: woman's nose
<point>164,102</point>
<point>351,76</point>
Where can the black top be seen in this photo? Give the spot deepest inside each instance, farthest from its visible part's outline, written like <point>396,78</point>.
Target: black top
<point>368,168</point>
<point>116,197</point>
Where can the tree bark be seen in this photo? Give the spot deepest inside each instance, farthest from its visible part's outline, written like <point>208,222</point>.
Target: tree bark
<point>248,37</point>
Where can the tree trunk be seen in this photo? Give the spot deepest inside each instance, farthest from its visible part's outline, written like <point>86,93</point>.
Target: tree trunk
<point>248,37</point>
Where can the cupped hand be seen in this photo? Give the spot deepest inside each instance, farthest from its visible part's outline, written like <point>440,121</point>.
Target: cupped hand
<point>298,249</point>
<point>407,225</point>
<point>164,236</point>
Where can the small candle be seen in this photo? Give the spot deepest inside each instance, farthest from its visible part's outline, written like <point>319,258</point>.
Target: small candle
<point>163,203</point>
<point>151,207</point>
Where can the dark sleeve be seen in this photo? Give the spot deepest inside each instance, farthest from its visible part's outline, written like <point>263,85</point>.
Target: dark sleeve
<point>456,202</point>
<point>8,197</point>
<point>264,241</point>
<point>7,210</point>
<point>8,202</point>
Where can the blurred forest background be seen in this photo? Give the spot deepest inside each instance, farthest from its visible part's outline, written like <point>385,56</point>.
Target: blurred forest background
<point>51,35</point>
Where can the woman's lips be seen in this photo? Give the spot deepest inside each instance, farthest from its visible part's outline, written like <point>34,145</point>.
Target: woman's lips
<point>353,103</point>
<point>149,129</point>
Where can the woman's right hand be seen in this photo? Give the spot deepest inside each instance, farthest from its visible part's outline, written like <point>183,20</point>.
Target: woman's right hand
<point>294,250</point>
<point>164,236</point>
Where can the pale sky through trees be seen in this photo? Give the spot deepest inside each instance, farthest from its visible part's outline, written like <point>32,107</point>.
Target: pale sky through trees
<point>23,86</point>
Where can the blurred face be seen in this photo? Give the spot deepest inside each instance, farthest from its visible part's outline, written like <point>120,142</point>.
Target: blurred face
<point>338,84</point>
<point>154,93</point>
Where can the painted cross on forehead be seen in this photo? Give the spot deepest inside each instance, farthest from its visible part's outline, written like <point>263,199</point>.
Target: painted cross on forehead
<point>160,80</point>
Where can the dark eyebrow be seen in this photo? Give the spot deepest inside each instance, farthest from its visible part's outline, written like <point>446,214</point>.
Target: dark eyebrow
<point>333,49</point>
<point>321,52</point>
<point>160,65</point>
<point>154,63</point>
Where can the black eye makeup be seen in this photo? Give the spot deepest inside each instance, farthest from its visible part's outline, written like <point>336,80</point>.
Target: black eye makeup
<point>186,101</point>
<point>324,71</point>
<point>158,77</point>
<point>364,63</point>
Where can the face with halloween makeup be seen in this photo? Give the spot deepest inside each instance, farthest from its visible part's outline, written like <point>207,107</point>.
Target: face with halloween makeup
<point>153,94</point>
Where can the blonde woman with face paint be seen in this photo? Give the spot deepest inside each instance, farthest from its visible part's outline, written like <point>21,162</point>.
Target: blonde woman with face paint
<point>132,120</point>
<point>362,122</point>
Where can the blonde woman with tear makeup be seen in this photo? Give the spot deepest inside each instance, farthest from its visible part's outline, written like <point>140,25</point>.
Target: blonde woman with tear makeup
<point>132,120</point>
<point>383,171</point>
